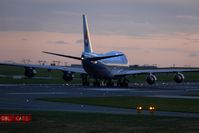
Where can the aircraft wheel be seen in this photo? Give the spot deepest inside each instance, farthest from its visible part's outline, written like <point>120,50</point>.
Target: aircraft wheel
<point>123,82</point>
<point>85,81</point>
<point>96,83</point>
<point>110,84</point>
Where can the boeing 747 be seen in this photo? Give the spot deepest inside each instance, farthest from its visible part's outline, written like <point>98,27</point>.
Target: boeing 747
<point>104,68</point>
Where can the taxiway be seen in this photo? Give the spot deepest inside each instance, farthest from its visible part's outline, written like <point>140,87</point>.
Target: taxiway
<point>24,97</point>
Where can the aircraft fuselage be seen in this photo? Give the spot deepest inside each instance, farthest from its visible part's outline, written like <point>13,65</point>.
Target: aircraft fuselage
<point>102,69</point>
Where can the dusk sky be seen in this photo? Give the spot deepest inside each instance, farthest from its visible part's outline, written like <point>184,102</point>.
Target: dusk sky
<point>162,32</point>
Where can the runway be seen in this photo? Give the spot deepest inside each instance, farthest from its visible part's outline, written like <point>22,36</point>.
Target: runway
<point>23,97</point>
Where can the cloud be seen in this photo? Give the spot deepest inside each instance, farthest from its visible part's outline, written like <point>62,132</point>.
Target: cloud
<point>153,49</point>
<point>189,17</point>
<point>191,40</point>
<point>80,41</point>
<point>24,39</point>
<point>166,49</point>
<point>127,48</point>
<point>193,54</point>
<point>57,42</point>
<point>127,17</point>
<point>149,49</point>
<point>67,13</point>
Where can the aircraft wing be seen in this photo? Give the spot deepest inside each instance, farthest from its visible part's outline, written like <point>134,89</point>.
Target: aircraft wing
<point>152,71</point>
<point>61,68</point>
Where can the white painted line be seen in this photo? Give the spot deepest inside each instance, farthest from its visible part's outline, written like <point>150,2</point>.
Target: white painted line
<point>110,89</point>
<point>177,97</point>
<point>38,93</point>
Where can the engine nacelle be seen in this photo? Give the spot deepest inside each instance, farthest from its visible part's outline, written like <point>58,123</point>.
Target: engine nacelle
<point>151,79</point>
<point>179,78</point>
<point>67,76</point>
<point>30,72</point>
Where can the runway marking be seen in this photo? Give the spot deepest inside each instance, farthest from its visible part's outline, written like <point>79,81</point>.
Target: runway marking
<point>37,93</point>
<point>177,97</point>
<point>111,89</point>
<point>10,85</point>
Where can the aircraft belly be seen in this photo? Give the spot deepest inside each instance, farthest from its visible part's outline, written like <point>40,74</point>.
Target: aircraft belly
<point>97,70</point>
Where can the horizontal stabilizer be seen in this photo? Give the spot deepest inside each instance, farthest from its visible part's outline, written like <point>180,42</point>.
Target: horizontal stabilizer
<point>68,56</point>
<point>90,58</point>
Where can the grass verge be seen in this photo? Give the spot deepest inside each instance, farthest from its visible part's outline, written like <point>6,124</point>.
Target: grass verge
<point>163,104</point>
<point>56,122</point>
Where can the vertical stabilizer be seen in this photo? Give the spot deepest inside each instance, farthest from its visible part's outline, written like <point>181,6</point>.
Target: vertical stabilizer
<point>87,41</point>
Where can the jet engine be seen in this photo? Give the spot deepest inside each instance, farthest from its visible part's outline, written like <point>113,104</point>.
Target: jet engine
<point>151,79</point>
<point>67,76</point>
<point>30,72</point>
<point>179,78</point>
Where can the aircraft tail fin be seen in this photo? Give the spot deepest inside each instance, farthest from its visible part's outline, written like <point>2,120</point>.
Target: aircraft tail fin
<point>87,41</point>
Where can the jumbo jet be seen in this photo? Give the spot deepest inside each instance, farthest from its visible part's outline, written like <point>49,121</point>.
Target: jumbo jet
<point>104,68</point>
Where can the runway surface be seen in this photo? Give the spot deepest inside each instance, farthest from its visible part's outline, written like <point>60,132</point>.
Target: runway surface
<point>23,97</point>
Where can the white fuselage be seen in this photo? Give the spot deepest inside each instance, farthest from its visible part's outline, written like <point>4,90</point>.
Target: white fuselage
<point>103,69</point>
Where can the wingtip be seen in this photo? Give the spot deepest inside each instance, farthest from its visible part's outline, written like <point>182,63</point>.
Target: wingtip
<point>45,52</point>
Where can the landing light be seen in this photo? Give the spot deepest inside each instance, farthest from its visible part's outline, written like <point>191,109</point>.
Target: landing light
<point>94,62</point>
<point>151,108</point>
<point>139,108</point>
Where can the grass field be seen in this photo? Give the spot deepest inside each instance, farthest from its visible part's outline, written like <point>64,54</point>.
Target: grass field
<point>10,70</point>
<point>66,122</point>
<point>163,104</point>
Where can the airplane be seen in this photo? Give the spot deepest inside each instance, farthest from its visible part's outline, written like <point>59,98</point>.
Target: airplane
<point>104,68</point>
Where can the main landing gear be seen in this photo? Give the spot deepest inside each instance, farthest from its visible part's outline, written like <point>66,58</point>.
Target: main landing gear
<point>106,83</point>
<point>121,82</point>
<point>85,81</point>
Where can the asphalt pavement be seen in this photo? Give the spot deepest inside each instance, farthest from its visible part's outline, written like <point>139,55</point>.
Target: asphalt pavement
<point>24,97</point>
